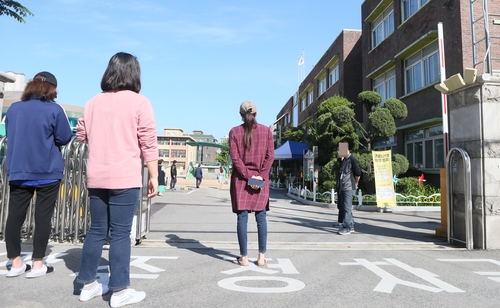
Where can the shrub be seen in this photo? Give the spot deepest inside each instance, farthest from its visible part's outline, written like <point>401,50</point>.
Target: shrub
<point>409,187</point>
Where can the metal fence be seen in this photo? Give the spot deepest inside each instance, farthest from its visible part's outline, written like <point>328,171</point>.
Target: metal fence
<point>71,218</point>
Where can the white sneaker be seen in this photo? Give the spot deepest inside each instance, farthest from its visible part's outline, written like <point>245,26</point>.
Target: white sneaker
<point>14,272</point>
<point>98,290</point>
<point>130,296</point>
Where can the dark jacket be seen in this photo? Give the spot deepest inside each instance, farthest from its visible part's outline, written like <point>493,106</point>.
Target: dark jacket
<point>161,175</point>
<point>173,171</point>
<point>349,170</point>
<point>198,173</point>
<point>35,132</point>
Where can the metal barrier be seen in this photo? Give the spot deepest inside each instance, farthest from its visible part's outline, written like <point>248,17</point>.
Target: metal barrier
<point>469,238</point>
<point>71,219</point>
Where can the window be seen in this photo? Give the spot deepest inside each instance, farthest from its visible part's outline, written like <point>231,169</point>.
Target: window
<point>383,26</point>
<point>410,7</point>
<point>178,153</point>
<point>425,148</point>
<point>389,143</point>
<point>303,103</point>
<point>310,98</point>
<point>385,85</point>
<point>322,85</point>
<point>178,141</point>
<point>422,69</point>
<point>163,140</point>
<point>333,75</point>
<point>163,153</point>
<point>295,118</point>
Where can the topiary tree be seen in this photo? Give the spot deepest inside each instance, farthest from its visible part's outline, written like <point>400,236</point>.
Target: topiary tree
<point>336,121</point>
<point>333,124</point>
<point>381,124</point>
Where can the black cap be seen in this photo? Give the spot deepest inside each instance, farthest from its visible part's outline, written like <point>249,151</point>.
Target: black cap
<point>47,77</point>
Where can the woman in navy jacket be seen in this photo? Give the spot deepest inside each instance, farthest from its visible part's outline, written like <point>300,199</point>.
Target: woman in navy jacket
<point>36,128</point>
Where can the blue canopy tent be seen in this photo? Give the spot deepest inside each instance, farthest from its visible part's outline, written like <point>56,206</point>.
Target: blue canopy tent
<point>290,150</point>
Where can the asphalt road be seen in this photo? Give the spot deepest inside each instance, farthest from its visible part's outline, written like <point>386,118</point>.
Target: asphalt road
<point>393,260</point>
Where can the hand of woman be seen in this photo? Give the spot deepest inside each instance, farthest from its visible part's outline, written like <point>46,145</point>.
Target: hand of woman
<point>152,187</point>
<point>257,177</point>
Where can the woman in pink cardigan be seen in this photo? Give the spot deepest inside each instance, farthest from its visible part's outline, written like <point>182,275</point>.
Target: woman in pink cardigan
<point>119,127</point>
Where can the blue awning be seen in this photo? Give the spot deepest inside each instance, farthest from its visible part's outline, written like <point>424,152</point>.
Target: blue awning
<point>290,150</point>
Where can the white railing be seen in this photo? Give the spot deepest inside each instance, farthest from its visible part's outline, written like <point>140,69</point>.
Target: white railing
<point>306,194</point>
<point>360,199</point>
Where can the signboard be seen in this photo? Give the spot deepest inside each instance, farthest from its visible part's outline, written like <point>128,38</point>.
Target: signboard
<point>384,188</point>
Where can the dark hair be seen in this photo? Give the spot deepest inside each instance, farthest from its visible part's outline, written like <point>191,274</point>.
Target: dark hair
<point>123,73</point>
<point>220,169</point>
<point>47,92</point>
<point>248,123</point>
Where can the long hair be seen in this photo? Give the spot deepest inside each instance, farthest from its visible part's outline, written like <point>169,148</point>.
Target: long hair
<point>123,73</point>
<point>45,91</point>
<point>248,123</point>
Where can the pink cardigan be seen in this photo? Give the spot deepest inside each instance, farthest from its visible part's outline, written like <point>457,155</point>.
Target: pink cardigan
<point>119,128</point>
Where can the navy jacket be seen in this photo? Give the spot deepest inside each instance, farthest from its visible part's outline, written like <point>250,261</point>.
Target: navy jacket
<point>35,132</point>
<point>198,173</point>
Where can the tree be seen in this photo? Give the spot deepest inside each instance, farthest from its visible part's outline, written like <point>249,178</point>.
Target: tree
<point>294,134</point>
<point>223,156</point>
<point>333,124</point>
<point>336,122</point>
<point>381,124</point>
<point>14,9</point>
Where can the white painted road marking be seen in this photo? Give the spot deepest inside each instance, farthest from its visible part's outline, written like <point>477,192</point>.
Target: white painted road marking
<point>293,285</point>
<point>388,282</point>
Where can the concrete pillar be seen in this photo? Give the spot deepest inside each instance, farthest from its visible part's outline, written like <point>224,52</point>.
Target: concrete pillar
<point>474,118</point>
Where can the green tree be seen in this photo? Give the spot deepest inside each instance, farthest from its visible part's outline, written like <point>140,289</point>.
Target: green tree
<point>294,134</point>
<point>336,122</point>
<point>14,9</point>
<point>381,124</point>
<point>333,124</point>
<point>223,156</point>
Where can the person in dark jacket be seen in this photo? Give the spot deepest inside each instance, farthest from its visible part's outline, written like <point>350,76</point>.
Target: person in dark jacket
<point>161,178</point>
<point>347,184</point>
<point>198,174</point>
<point>173,175</point>
<point>36,128</point>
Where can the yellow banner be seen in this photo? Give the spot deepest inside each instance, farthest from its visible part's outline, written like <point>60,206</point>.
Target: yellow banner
<point>384,188</point>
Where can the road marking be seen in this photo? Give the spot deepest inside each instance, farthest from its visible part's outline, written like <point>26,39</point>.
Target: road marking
<point>388,282</point>
<point>293,285</point>
<point>285,265</point>
<point>497,279</point>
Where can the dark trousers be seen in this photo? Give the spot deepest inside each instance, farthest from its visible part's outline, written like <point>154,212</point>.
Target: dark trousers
<point>19,201</point>
<point>345,208</point>
<point>172,182</point>
<point>198,182</point>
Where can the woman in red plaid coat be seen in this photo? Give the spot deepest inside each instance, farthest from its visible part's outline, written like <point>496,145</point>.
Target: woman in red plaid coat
<point>251,146</point>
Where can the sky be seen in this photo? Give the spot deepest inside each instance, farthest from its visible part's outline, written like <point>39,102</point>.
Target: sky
<point>199,59</point>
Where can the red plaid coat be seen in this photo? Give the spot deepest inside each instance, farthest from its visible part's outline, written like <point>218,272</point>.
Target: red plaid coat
<point>257,160</point>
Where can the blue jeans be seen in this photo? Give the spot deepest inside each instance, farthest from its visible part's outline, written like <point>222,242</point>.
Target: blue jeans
<point>345,207</point>
<point>172,182</point>
<point>260,218</point>
<point>113,210</point>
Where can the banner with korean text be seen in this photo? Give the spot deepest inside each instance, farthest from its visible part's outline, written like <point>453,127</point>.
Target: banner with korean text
<point>382,164</point>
